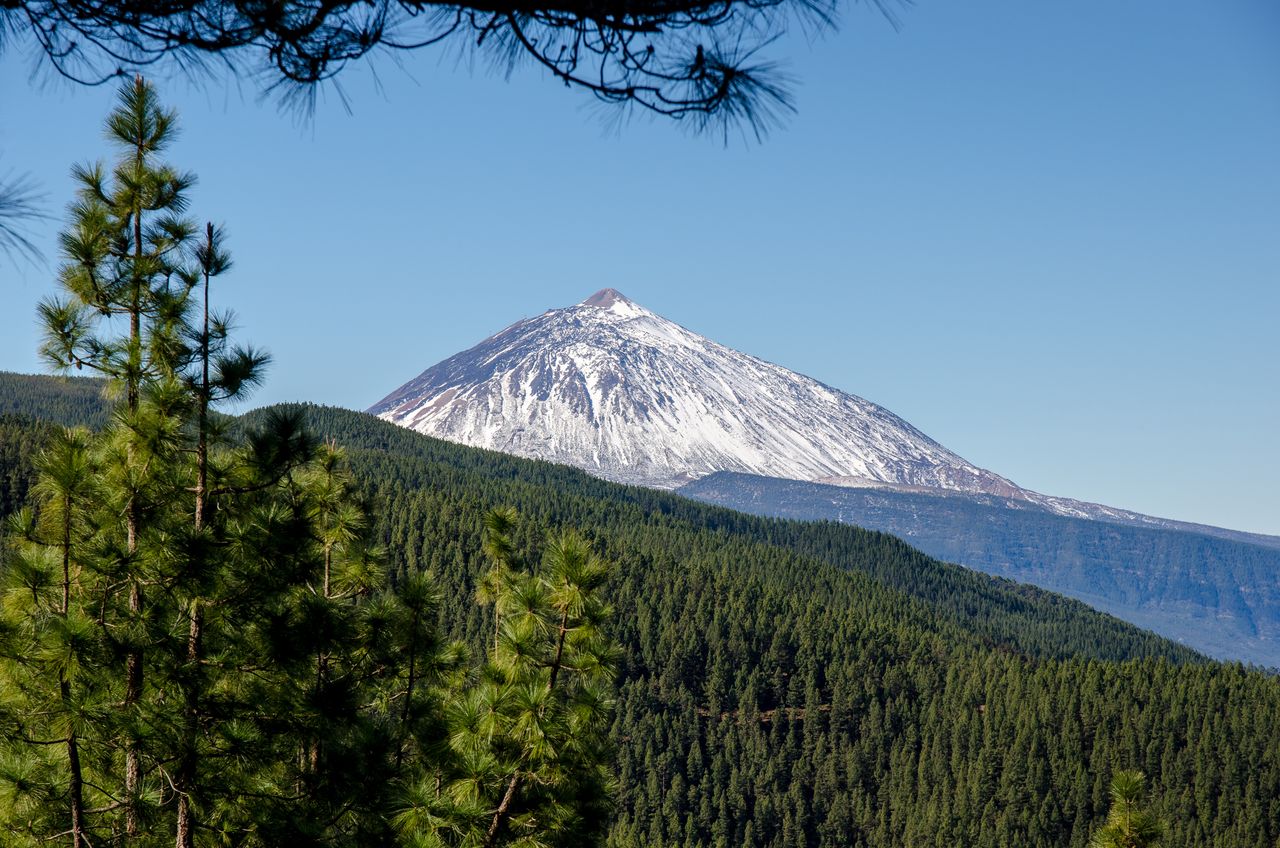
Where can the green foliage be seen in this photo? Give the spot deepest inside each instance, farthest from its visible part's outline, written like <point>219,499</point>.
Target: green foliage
<point>1128,826</point>
<point>20,440</point>
<point>199,640</point>
<point>813,684</point>
<point>785,683</point>
<point>112,500</point>
<point>531,763</point>
<point>971,607</point>
<point>127,252</point>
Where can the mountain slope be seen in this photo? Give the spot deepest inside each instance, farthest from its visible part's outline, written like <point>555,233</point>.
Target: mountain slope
<point>611,387</point>
<point>1220,596</point>
<point>615,389</point>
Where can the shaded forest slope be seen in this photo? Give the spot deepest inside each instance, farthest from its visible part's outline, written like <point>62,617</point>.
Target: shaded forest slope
<point>1217,595</point>
<point>812,684</point>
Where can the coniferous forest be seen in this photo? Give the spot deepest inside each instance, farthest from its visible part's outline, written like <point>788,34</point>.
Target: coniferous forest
<point>305,626</point>
<point>784,683</point>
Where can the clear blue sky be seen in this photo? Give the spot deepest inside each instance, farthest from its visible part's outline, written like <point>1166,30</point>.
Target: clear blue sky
<point>1047,234</point>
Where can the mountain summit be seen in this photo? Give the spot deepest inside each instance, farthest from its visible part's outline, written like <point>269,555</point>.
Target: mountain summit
<point>626,394</point>
<point>605,298</point>
<point>622,392</point>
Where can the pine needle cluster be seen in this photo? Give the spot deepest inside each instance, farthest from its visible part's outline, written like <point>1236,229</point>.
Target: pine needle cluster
<point>1128,825</point>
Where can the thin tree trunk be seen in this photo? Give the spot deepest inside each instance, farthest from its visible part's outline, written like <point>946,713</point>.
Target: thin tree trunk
<point>328,565</point>
<point>132,695</point>
<point>133,662</point>
<point>408,692</point>
<point>322,668</point>
<point>134,374</point>
<point>504,810</point>
<point>66,554</point>
<point>185,778</point>
<point>76,788</point>
<point>202,423</point>
<point>555,663</point>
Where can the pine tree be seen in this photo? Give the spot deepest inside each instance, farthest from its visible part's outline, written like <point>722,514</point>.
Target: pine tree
<point>199,640</point>
<point>124,252</point>
<point>1128,825</point>
<point>49,656</point>
<point>529,733</point>
<point>361,715</point>
<point>197,635</point>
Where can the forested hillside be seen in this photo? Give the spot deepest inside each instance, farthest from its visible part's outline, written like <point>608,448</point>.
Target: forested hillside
<point>793,684</point>
<point>772,698</point>
<point>61,400</point>
<point>20,438</point>
<point>400,465</point>
<point>1218,595</point>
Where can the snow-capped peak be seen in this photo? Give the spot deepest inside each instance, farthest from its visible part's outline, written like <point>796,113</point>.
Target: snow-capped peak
<point>622,392</point>
<point>606,299</point>
<point>616,303</point>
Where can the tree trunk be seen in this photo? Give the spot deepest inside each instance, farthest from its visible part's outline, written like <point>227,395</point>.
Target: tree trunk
<point>66,554</point>
<point>76,789</point>
<point>202,423</point>
<point>185,777</point>
<point>322,670</point>
<point>133,662</point>
<point>132,695</point>
<point>408,691</point>
<point>555,663</point>
<point>504,810</point>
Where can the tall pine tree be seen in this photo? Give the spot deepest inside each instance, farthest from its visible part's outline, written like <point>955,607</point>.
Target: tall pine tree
<point>199,643</point>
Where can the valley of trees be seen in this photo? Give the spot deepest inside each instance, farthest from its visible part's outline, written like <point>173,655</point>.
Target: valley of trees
<point>814,684</point>
<point>263,630</point>
<point>786,684</point>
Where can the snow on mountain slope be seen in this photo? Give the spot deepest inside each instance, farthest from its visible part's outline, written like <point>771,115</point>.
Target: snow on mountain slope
<point>623,393</point>
<point>612,388</point>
